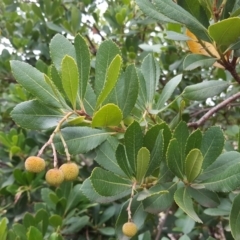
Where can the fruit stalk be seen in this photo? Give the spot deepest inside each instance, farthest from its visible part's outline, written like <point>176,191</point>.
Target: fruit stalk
<point>65,147</point>
<point>56,130</point>
<point>130,202</point>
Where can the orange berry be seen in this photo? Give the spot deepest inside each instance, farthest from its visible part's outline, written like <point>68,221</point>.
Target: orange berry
<point>70,171</point>
<point>54,177</point>
<point>34,164</point>
<point>129,229</point>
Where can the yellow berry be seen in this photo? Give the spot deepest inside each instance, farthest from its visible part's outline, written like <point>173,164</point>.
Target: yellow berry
<point>54,177</point>
<point>129,229</point>
<point>70,171</point>
<point>34,164</point>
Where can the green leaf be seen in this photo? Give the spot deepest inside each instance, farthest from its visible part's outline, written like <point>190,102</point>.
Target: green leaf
<point>205,197</point>
<point>55,77</point>
<point>37,10</point>
<point>45,195</point>
<point>228,8</point>
<point>193,61</point>
<point>238,149</point>
<point>107,214</point>
<point>34,115</point>
<point>33,81</point>
<point>59,48</point>
<point>225,181</point>
<point>55,236</point>
<point>34,233</point>
<point>55,27</point>
<point>151,72</point>
<point>55,91</point>
<point>108,184</point>
<point>202,91</point>
<point>223,162</point>
<point>131,88</point>
<point>150,10</point>
<point>107,51</point>
<point>111,79</point>
<point>156,154</point>
<point>172,35</point>
<point>80,139</point>
<point>142,97</point>
<point>184,201</point>
<point>194,141</point>
<point>174,162</point>
<point>89,100</point>
<point>3,228</point>
<point>107,116</point>
<point>161,198</point>
<point>106,156</point>
<point>225,32</point>
<point>133,142</point>
<point>83,63</point>
<point>151,136</point>
<point>75,18</point>
<point>143,158</point>
<point>70,79</point>
<point>212,145</point>
<point>28,220</point>
<point>75,224</point>
<point>42,217</point>
<point>196,10</point>
<point>236,9</point>
<point>123,161</point>
<point>93,196</point>
<point>181,133</point>
<point>74,198</point>
<point>107,231</point>
<point>178,14</point>
<point>216,212</point>
<point>125,92</point>
<point>20,231</point>
<point>184,237</point>
<point>235,218</point>
<point>55,221</point>
<point>168,91</point>
<point>193,164</point>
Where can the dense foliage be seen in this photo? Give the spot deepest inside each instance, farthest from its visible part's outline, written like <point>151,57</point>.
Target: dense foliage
<point>143,96</point>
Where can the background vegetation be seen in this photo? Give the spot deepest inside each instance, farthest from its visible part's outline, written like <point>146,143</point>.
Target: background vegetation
<point>29,208</point>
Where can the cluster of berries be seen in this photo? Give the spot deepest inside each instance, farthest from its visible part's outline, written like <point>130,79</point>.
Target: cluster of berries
<point>67,172</point>
<point>54,177</point>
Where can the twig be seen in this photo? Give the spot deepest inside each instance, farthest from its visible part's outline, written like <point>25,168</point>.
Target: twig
<point>161,224</point>
<point>98,32</point>
<point>232,69</point>
<point>50,140</point>
<point>195,113</point>
<point>93,48</point>
<point>130,202</point>
<point>213,110</point>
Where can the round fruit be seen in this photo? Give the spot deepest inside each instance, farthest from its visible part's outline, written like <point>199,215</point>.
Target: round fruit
<point>54,177</point>
<point>129,229</point>
<point>70,171</point>
<point>34,164</point>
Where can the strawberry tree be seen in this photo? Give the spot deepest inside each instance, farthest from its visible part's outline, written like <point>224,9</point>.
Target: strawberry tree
<point>115,109</point>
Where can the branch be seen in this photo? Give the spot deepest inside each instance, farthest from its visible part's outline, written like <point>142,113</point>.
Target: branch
<point>232,69</point>
<point>213,110</point>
